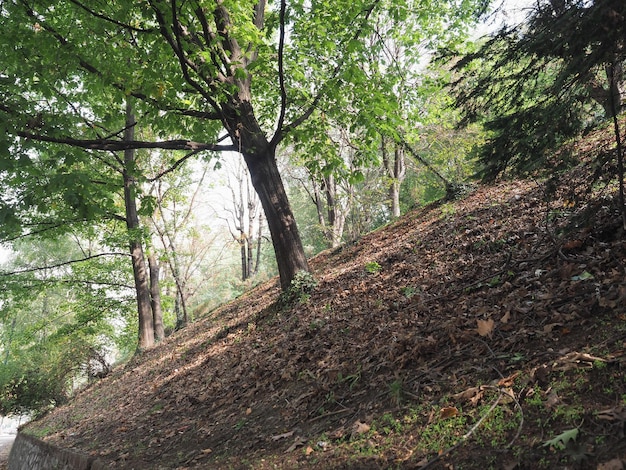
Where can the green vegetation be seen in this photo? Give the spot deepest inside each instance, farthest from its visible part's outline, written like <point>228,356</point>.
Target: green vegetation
<point>194,150</point>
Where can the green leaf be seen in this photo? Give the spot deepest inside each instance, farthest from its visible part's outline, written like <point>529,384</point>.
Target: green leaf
<point>584,276</point>
<point>561,441</point>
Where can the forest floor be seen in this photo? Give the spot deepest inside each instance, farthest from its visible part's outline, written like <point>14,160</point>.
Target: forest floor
<point>488,332</point>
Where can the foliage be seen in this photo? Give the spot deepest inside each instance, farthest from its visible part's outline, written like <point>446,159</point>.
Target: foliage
<point>537,84</point>
<point>387,96</point>
<point>58,324</point>
<point>300,290</point>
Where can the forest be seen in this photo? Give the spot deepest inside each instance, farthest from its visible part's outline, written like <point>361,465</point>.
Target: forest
<point>160,159</point>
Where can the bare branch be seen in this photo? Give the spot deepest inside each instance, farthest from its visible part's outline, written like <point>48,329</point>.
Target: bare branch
<point>65,263</point>
<point>176,164</point>
<point>117,145</point>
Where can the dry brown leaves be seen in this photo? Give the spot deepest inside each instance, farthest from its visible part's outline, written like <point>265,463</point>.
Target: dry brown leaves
<point>469,292</point>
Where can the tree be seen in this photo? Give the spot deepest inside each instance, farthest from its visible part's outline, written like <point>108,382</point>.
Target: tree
<point>180,244</point>
<point>144,285</point>
<point>212,70</point>
<point>56,326</point>
<point>246,218</point>
<point>536,84</point>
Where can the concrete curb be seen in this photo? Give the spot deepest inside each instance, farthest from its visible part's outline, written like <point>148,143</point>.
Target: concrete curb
<point>30,453</point>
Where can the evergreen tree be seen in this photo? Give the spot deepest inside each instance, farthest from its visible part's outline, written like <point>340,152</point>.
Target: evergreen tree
<point>543,81</point>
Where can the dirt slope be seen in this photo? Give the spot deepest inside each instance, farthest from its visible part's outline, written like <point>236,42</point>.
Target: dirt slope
<point>468,334</point>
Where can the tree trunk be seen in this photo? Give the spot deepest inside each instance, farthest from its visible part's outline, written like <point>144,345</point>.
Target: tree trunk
<point>257,263</point>
<point>286,240</point>
<point>396,171</point>
<point>155,296</point>
<point>244,255</point>
<point>260,158</point>
<point>144,308</point>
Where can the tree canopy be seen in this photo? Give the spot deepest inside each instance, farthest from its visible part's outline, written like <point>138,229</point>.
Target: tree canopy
<point>204,75</point>
<point>540,82</point>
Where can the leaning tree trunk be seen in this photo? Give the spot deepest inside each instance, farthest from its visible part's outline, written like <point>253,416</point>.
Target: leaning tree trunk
<point>142,286</point>
<point>260,158</point>
<point>286,240</point>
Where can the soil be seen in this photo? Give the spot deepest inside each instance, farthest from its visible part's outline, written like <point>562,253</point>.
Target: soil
<point>487,332</point>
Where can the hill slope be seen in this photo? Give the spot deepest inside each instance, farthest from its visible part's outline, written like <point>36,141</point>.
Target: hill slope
<point>468,333</point>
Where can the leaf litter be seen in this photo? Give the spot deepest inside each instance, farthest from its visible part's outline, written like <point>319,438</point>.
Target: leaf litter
<point>493,297</point>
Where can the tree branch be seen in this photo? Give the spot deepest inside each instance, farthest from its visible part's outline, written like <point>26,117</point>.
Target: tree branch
<point>447,184</point>
<point>117,145</point>
<point>110,20</point>
<point>65,263</point>
<point>176,164</point>
<point>281,68</point>
<point>281,132</point>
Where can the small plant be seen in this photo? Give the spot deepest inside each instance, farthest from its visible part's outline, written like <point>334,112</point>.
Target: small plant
<point>373,267</point>
<point>408,291</point>
<point>395,390</point>
<point>389,424</point>
<point>351,379</point>
<point>448,210</point>
<point>302,285</point>
<point>599,365</point>
<point>561,441</point>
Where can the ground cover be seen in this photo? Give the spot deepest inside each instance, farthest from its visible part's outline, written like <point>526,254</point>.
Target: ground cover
<point>488,332</point>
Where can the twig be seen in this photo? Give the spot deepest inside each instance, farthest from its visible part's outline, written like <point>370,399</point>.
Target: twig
<point>473,429</point>
<point>332,413</point>
<point>521,422</point>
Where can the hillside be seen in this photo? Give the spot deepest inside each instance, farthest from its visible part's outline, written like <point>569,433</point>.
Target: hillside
<point>483,333</point>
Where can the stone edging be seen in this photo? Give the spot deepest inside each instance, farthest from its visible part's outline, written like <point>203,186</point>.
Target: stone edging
<point>30,453</point>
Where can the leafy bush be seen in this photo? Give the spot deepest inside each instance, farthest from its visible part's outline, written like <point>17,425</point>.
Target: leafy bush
<point>300,289</point>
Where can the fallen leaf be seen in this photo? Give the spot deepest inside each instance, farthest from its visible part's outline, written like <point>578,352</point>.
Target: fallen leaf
<point>466,394</point>
<point>308,450</point>
<point>508,381</point>
<point>506,317</point>
<point>508,395</point>
<point>615,464</point>
<point>553,399</point>
<point>485,327</point>
<point>249,411</point>
<point>573,244</point>
<point>549,327</point>
<point>448,412</point>
<point>360,428</point>
<point>472,394</point>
